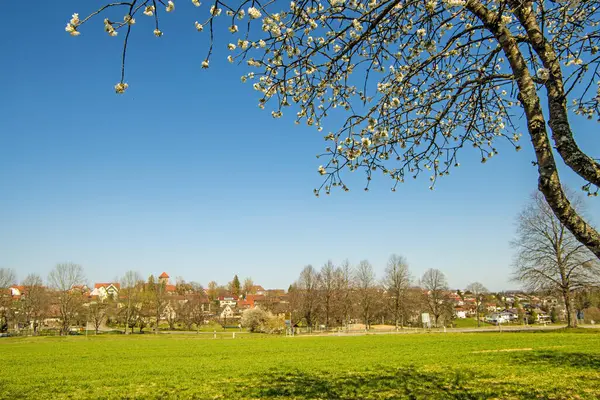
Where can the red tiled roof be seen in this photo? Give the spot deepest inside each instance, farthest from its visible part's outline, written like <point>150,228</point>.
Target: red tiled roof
<point>255,297</point>
<point>107,284</point>
<point>232,297</point>
<point>164,275</point>
<point>171,288</point>
<point>245,303</point>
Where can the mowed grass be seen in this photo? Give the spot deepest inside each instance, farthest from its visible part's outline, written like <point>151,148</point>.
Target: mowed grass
<point>550,365</point>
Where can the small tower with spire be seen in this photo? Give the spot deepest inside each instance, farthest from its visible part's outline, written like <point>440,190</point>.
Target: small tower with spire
<point>163,278</point>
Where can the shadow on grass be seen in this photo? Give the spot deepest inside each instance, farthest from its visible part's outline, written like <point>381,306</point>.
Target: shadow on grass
<point>397,383</point>
<point>560,359</point>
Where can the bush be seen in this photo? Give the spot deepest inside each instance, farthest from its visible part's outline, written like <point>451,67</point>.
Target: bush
<point>591,314</point>
<point>532,318</point>
<point>259,320</point>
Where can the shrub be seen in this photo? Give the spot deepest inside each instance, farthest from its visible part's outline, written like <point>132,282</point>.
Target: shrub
<point>259,320</point>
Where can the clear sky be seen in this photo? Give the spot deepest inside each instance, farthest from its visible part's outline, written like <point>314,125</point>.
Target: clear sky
<point>185,174</point>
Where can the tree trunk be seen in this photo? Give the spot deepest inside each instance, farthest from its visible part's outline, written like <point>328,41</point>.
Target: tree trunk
<point>548,180</point>
<point>571,319</point>
<point>578,161</point>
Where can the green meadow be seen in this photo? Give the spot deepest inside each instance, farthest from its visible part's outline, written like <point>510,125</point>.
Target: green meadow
<point>544,365</point>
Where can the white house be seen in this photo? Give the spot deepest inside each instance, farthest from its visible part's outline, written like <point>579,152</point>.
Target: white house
<point>104,290</point>
<point>497,318</point>
<point>228,301</point>
<point>227,312</point>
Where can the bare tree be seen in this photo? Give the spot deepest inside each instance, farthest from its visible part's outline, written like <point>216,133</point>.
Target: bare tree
<point>171,312</point>
<point>478,291</point>
<point>344,277</point>
<point>549,257</point>
<point>197,312</point>
<point>307,288</point>
<point>365,290</point>
<point>35,301</point>
<point>419,80</point>
<point>184,313</point>
<point>7,278</point>
<point>65,279</point>
<point>327,291</point>
<point>436,293</point>
<point>248,287</point>
<point>212,290</point>
<point>98,311</point>
<point>129,295</point>
<point>156,299</point>
<point>396,283</point>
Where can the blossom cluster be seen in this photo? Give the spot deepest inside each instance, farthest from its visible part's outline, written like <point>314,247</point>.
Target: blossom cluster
<point>418,81</point>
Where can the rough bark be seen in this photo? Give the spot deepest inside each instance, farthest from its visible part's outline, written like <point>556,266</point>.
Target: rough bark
<point>548,181</point>
<point>571,321</point>
<point>562,136</point>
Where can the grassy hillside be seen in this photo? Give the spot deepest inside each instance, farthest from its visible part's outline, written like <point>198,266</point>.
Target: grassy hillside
<point>556,365</point>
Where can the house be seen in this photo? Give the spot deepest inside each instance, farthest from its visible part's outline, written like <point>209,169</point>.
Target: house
<point>171,289</point>
<point>245,304</point>
<point>226,312</point>
<point>104,290</point>
<point>460,312</point>
<point>497,318</point>
<point>163,278</point>
<point>17,291</point>
<point>542,317</point>
<point>456,299</point>
<point>228,301</point>
<point>509,316</point>
<point>257,289</point>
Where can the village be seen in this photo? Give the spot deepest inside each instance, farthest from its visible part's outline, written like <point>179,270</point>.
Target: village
<point>164,305</point>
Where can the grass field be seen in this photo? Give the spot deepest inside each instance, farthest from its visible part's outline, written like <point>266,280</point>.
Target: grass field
<point>549,365</point>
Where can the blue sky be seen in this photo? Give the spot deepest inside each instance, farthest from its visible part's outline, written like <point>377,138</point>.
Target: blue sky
<point>185,174</point>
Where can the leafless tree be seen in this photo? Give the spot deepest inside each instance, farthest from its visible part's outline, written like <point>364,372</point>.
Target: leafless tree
<point>396,283</point>
<point>436,293</point>
<point>418,79</point>
<point>184,313</point>
<point>212,290</point>
<point>157,299</point>
<point>478,291</point>
<point>35,301</point>
<point>7,278</point>
<point>344,277</point>
<point>327,291</point>
<point>129,295</point>
<point>549,257</point>
<point>98,311</point>
<point>307,288</point>
<point>197,312</point>
<point>170,312</point>
<point>366,290</point>
<point>248,287</point>
<point>66,279</point>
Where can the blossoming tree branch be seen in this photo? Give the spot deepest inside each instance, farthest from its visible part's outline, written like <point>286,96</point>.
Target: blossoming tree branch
<point>418,80</point>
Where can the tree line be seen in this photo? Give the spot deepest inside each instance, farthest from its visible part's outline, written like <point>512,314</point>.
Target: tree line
<point>548,259</point>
